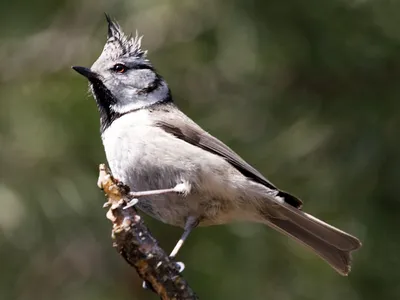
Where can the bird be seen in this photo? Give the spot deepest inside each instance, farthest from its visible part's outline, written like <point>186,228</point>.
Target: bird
<point>192,178</point>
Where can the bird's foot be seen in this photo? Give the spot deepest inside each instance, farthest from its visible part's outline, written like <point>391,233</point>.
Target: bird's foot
<point>180,267</point>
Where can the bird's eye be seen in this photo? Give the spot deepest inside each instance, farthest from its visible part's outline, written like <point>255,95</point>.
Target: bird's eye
<point>119,68</point>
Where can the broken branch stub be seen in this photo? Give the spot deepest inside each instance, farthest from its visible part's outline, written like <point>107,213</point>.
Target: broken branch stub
<point>137,246</point>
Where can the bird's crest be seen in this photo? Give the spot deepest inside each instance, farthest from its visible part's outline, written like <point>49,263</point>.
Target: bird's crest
<point>121,45</point>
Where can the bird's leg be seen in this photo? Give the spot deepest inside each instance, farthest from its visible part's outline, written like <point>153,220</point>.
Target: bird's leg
<point>181,188</point>
<point>191,223</point>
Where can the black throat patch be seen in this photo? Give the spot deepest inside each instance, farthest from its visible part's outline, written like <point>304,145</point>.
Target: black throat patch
<point>104,100</point>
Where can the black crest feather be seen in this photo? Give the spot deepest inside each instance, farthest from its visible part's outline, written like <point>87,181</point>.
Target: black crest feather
<point>114,30</point>
<point>127,44</point>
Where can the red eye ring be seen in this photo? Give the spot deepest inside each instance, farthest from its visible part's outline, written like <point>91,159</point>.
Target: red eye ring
<point>119,68</point>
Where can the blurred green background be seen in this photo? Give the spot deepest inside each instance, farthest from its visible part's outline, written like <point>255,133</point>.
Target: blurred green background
<point>307,91</point>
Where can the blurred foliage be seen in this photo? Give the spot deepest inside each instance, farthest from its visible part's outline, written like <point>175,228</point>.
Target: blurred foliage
<point>306,91</point>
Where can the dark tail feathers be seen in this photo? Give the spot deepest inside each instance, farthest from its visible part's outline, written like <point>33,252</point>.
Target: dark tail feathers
<point>331,244</point>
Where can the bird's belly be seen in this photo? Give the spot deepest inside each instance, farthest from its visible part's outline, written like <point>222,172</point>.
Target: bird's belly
<point>155,160</point>
<point>173,208</point>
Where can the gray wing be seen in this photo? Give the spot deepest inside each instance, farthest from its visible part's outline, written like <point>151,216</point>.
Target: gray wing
<point>176,123</point>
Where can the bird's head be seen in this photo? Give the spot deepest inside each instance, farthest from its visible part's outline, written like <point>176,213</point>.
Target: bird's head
<point>122,79</point>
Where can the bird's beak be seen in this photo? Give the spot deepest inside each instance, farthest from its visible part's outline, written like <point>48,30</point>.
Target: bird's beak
<point>85,72</point>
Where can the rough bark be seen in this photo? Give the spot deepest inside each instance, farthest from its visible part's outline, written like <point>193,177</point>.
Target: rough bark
<point>137,246</point>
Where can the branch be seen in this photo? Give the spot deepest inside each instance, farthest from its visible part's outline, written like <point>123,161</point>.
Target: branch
<point>137,246</point>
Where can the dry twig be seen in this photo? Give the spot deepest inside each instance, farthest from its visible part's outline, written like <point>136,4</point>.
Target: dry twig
<point>137,246</point>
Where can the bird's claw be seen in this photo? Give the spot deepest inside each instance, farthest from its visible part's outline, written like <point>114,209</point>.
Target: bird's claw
<point>179,265</point>
<point>146,286</point>
<point>131,203</point>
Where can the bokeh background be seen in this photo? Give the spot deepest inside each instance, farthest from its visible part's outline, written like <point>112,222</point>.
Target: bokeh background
<point>307,91</point>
